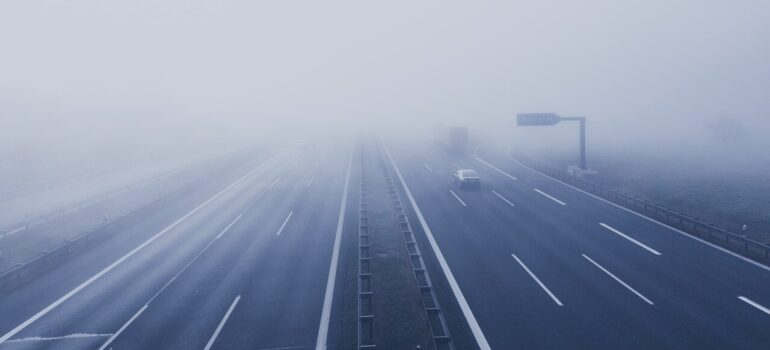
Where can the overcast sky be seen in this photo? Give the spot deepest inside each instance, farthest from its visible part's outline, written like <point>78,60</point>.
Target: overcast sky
<point>98,74</point>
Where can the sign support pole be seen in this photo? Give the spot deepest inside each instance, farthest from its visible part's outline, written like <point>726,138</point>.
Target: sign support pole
<point>582,121</point>
<point>534,119</point>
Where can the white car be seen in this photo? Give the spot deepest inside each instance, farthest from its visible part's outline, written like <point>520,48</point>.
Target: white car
<point>467,178</point>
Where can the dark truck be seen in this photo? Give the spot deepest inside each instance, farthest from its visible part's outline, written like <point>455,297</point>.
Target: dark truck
<point>452,138</point>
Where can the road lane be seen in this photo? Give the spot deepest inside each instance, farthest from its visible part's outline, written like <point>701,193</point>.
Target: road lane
<point>265,269</point>
<point>687,316</point>
<point>64,282</point>
<point>126,286</point>
<point>687,252</point>
<point>175,291</point>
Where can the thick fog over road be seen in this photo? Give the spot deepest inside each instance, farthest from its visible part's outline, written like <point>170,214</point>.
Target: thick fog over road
<point>187,174</point>
<point>82,77</point>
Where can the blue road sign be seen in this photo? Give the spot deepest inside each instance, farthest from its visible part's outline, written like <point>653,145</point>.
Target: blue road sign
<point>530,119</point>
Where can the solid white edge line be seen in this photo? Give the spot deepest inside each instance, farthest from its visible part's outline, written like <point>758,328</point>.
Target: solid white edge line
<point>685,234</point>
<point>222,324</point>
<point>323,326</point>
<point>503,198</point>
<point>310,182</point>
<point>284,223</point>
<point>123,327</point>
<point>457,197</point>
<point>481,340</point>
<point>95,277</point>
<point>648,301</point>
<point>482,161</point>
<point>621,234</point>
<point>755,304</point>
<point>555,299</point>
<point>549,196</point>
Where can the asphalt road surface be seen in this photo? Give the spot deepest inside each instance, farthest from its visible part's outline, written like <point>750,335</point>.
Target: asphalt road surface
<point>250,261</point>
<point>543,265</point>
<point>242,264</point>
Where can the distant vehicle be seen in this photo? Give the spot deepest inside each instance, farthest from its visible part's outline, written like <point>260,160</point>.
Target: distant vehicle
<point>452,138</point>
<point>467,178</point>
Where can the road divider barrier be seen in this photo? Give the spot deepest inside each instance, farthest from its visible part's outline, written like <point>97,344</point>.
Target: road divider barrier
<point>436,320</point>
<point>365,307</point>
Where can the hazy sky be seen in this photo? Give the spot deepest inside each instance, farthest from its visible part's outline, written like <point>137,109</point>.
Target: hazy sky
<point>141,73</point>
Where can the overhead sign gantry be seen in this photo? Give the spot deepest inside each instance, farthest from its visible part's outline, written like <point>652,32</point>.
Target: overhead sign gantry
<point>548,119</point>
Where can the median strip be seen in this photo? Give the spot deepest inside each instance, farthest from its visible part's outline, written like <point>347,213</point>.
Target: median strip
<point>481,340</point>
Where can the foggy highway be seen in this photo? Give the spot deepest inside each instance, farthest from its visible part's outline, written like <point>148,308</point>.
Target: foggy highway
<point>255,262</point>
<point>544,265</point>
<point>168,279</point>
<point>399,175</point>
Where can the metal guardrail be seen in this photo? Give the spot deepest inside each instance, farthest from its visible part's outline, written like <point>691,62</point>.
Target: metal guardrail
<point>439,329</point>
<point>693,226</point>
<point>365,294</point>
